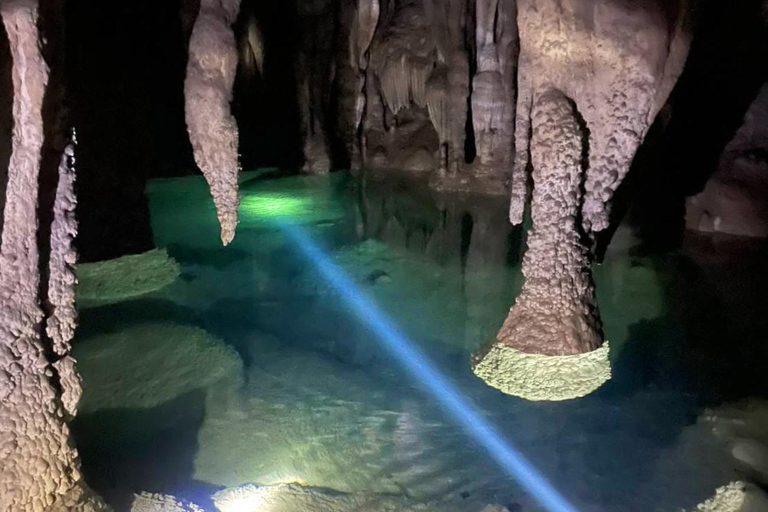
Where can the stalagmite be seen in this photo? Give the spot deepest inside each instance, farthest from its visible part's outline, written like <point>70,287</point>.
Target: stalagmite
<point>549,348</point>
<point>208,92</point>
<point>39,470</point>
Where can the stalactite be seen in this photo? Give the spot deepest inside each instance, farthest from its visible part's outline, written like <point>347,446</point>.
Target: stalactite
<point>437,102</point>
<point>208,92</point>
<point>396,82</point>
<point>620,63</point>
<point>549,348</point>
<point>39,470</point>
<point>62,321</point>
<point>404,81</point>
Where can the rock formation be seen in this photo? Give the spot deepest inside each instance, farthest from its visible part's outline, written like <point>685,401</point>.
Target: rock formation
<point>60,326</point>
<point>493,96</point>
<point>735,199</point>
<point>314,82</point>
<point>592,77</point>
<point>352,69</point>
<point>553,315</point>
<point>208,92</point>
<point>40,470</point>
<point>410,88</point>
<point>406,88</point>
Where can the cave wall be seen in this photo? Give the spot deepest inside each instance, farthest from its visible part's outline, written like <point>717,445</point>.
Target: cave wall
<point>311,95</point>
<point>314,82</point>
<point>401,76</point>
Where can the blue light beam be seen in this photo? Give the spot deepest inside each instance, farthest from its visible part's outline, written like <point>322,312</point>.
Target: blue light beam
<point>509,458</point>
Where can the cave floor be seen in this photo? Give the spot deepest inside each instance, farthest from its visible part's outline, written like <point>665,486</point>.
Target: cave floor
<point>251,368</point>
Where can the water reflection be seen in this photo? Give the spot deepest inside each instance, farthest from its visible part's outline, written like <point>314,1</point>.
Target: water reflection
<point>303,392</point>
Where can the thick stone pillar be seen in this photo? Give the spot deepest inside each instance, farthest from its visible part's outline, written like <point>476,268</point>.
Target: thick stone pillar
<point>550,347</point>
<point>40,469</point>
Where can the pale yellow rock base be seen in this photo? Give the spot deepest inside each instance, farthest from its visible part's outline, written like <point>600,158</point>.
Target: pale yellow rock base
<point>729,498</point>
<point>736,497</point>
<point>540,377</point>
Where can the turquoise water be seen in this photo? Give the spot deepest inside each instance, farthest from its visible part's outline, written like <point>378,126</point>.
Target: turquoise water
<point>250,368</point>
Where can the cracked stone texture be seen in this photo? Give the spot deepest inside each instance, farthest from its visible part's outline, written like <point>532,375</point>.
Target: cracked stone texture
<point>618,61</point>
<point>40,470</point>
<point>208,91</point>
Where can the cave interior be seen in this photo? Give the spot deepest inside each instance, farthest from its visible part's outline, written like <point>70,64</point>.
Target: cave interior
<point>383,255</point>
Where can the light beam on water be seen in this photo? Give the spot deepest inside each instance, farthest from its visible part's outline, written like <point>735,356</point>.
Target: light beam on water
<point>421,368</point>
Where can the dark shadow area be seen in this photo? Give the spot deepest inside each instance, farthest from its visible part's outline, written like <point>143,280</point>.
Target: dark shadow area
<point>724,313</point>
<point>126,451</point>
<point>265,101</point>
<point>214,258</point>
<point>126,64</point>
<point>710,345</point>
<point>722,77</point>
<point>120,316</point>
<point>6,116</point>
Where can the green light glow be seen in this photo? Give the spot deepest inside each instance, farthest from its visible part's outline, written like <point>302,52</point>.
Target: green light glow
<point>270,206</point>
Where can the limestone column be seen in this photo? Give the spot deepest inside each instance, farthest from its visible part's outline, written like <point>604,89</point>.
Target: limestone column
<point>39,470</point>
<point>550,347</point>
